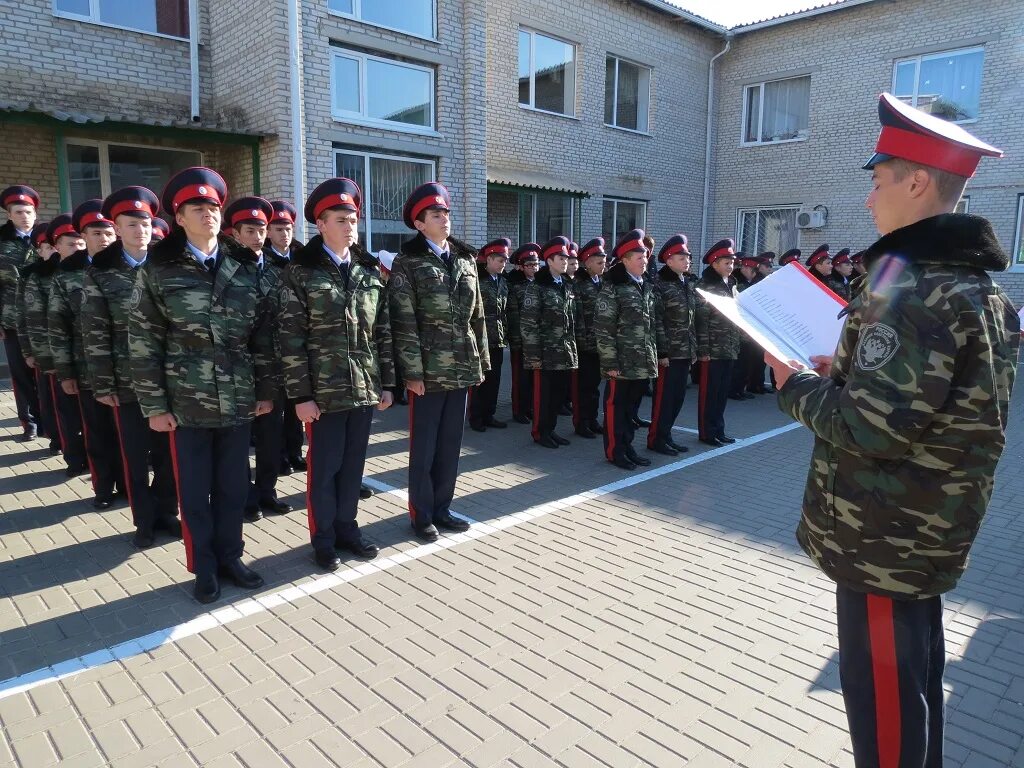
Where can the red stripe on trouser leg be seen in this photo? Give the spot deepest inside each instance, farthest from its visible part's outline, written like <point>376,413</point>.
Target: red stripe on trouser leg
<point>309,480</point>
<point>702,400</point>
<point>536,406</point>
<point>85,439</point>
<point>882,635</point>
<point>609,419</point>
<point>56,412</point>
<point>576,397</point>
<point>186,534</point>
<point>659,392</point>
<point>412,420</point>
<point>124,457</point>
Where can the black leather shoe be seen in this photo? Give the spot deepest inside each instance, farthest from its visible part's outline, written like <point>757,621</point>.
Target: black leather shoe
<point>253,515</point>
<point>676,446</point>
<point>170,524</point>
<point>277,507</point>
<point>242,575</point>
<point>360,547</point>
<point>103,502</point>
<point>639,422</point>
<point>734,396</point>
<point>559,439</point>
<point>584,431</point>
<point>476,426</point>
<point>521,419</point>
<point>664,449</point>
<point>28,435</point>
<point>547,441</point>
<point>624,463</point>
<point>449,522</point>
<point>298,463</point>
<point>206,589</point>
<point>427,533</point>
<point>727,440</point>
<point>285,469</point>
<point>143,539</point>
<point>328,560</point>
<point>365,491</point>
<point>55,448</point>
<point>75,471</point>
<point>713,441</point>
<point>494,423</point>
<point>639,460</point>
<point>565,410</point>
<point>596,428</point>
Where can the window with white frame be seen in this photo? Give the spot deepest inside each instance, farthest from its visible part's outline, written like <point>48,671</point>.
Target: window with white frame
<point>947,84</point>
<point>376,91</point>
<point>415,17</point>
<point>162,17</point>
<point>544,216</point>
<point>386,182</point>
<point>777,110</point>
<point>620,216</point>
<point>627,94</point>
<point>1018,241</point>
<point>547,73</point>
<point>767,229</point>
<point>97,168</point>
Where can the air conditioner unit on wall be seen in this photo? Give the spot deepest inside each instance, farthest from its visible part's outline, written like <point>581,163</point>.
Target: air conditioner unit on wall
<point>809,218</point>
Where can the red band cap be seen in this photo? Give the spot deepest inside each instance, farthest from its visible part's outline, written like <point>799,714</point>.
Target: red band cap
<point>432,201</point>
<point>250,214</point>
<point>492,250</point>
<point>928,150</point>
<point>64,229</point>
<point>334,201</point>
<point>285,216</point>
<point>194,191</point>
<point>131,206</point>
<point>20,198</point>
<point>632,245</point>
<point>554,250</point>
<point>719,254</point>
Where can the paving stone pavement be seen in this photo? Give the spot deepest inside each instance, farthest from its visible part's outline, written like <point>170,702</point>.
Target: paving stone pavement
<point>668,620</point>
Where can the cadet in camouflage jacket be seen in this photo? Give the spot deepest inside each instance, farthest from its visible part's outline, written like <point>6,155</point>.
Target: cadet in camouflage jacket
<point>677,307</point>
<point>201,343</point>
<point>547,318</point>
<point>629,332</point>
<point>329,353</point>
<point>15,255</point>
<point>911,421</point>
<point>437,317</point>
<point>717,338</point>
<point>63,323</point>
<point>34,297</point>
<point>496,296</point>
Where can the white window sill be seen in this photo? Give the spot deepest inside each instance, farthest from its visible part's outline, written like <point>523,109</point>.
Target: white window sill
<point>547,112</point>
<point>773,143</point>
<point>627,130</point>
<point>388,126</point>
<point>350,17</point>
<point>108,25</point>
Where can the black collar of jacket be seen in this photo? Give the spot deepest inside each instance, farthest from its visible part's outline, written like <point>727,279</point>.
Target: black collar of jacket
<point>77,260</point>
<point>544,277</point>
<point>710,277</point>
<point>515,277</point>
<point>312,254</point>
<point>669,275</point>
<point>110,257</point>
<point>44,267</point>
<point>483,274</point>
<point>270,256</point>
<point>618,275</point>
<point>418,247</point>
<point>174,248</point>
<point>7,232</point>
<point>952,239</point>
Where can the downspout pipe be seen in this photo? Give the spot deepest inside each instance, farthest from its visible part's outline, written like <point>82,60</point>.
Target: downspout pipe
<point>298,121</point>
<point>193,51</point>
<point>707,143</point>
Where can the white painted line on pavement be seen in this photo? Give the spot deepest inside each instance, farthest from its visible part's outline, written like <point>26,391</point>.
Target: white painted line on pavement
<point>293,593</point>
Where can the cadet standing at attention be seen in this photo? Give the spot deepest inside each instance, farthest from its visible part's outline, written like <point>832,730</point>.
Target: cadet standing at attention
<point>526,258</point>
<point>718,345</point>
<point>202,365</point>
<point>586,398</point>
<point>483,400</point>
<point>440,336</point>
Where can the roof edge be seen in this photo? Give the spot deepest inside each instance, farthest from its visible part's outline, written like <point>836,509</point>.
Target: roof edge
<point>742,29</point>
<point>684,15</point>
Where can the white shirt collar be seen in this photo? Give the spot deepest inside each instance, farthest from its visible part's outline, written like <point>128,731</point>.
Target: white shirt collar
<point>438,250</point>
<point>131,262</point>
<point>338,261</point>
<point>282,255</point>
<point>199,255</point>
<point>19,233</point>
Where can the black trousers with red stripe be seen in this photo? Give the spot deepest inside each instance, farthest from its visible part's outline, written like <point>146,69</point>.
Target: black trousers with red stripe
<point>294,431</point>
<point>669,394</point>
<point>549,392</point>
<point>587,397</point>
<point>892,654</point>
<point>483,399</point>
<point>101,444</point>
<point>621,398</point>
<point>522,385</point>
<point>713,391</point>
<point>211,470</point>
<point>436,420</point>
<point>69,424</point>
<point>335,458</point>
<point>26,400</point>
<point>47,408</point>
<point>140,448</point>
<point>268,435</point>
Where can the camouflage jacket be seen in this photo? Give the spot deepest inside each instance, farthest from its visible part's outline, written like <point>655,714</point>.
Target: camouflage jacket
<point>437,316</point>
<point>64,320</point>
<point>630,335</point>
<point>336,334</point>
<point>14,257</point>
<point>33,297</point>
<point>839,285</point>
<point>106,293</point>
<point>717,338</point>
<point>677,308</point>
<point>517,285</point>
<point>271,282</point>
<point>495,293</point>
<point>586,305</point>
<point>547,319</point>
<point>200,342</point>
<point>911,422</point>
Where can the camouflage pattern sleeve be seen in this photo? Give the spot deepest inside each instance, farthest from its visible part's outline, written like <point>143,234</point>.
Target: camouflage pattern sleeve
<point>478,321</point>
<point>294,319</point>
<point>660,337</point>
<point>530,312</point>
<point>606,330</point>
<point>702,320</point>
<point>899,379</point>
<point>60,330</point>
<point>97,338</point>
<point>34,317</point>
<point>385,343</point>
<point>261,344</point>
<point>405,329</point>
<point>147,331</point>
<point>23,337</point>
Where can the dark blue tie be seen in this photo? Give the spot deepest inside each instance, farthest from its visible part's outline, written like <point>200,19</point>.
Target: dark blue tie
<point>343,270</point>
<point>211,262</point>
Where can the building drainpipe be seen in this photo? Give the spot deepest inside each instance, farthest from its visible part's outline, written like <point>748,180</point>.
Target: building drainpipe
<point>298,120</point>
<point>707,144</point>
<point>193,50</point>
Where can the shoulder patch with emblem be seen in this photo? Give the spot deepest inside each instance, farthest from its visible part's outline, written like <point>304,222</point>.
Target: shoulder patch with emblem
<point>528,301</point>
<point>397,280</point>
<point>136,297</point>
<point>877,346</point>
